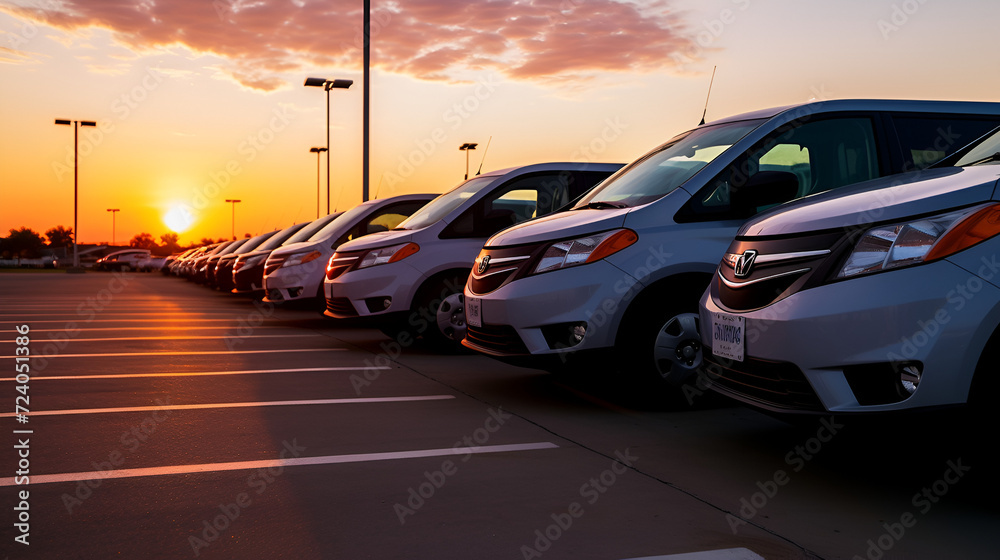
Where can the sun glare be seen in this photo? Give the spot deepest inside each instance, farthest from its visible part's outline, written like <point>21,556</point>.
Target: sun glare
<point>178,219</point>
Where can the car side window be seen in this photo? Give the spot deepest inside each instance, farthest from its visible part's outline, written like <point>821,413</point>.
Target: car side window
<point>817,155</point>
<point>381,220</point>
<point>522,199</point>
<point>927,139</point>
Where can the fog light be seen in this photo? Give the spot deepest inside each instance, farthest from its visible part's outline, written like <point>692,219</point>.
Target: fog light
<point>578,332</point>
<point>909,378</point>
<point>386,303</point>
<point>294,292</point>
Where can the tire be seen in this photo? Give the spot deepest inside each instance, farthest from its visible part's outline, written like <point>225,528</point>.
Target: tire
<point>659,343</point>
<point>428,303</point>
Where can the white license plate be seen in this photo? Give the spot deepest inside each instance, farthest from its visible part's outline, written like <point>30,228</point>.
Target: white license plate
<point>728,336</point>
<point>474,311</point>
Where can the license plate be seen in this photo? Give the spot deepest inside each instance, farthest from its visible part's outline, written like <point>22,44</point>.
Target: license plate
<point>728,336</point>
<point>474,311</point>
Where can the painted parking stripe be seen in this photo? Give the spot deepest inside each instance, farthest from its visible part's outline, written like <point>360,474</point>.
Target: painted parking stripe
<point>193,373</point>
<point>268,463</point>
<point>192,337</point>
<point>180,353</point>
<point>722,554</point>
<point>360,400</point>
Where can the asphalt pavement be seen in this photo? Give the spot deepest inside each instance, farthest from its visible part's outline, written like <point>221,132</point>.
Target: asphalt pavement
<point>161,419</point>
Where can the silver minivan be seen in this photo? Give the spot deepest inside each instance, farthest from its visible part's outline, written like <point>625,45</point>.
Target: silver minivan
<point>879,297</point>
<point>620,274</point>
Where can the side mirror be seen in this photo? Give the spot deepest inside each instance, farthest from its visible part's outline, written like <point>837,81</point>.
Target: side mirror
<point>763,189</point>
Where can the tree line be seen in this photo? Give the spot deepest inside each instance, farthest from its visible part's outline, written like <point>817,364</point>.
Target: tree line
<point>27,243</point>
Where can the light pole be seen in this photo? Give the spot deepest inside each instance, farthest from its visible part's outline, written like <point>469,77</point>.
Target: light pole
<point>76,231</point>
<point>234,201</point>
<point>328,85</point>
<point>318,151</point>
<point>465,148</point>
<point>113,212</point>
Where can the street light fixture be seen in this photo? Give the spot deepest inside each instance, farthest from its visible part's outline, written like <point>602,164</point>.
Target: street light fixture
<point>465,148</point>
<point>234,201</point>
<point>328,85</point>
<point>113,212</point>
<point>76,230</point>
<point>317,151</point>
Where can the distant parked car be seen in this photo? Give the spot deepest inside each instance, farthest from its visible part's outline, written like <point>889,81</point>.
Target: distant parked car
<point>401,276</point>
<point>221,278</point>
<point>150,264</point>
<point>124,260</point>
<point>248,268</point>
<point>876,298</point>
<point>296,271</point>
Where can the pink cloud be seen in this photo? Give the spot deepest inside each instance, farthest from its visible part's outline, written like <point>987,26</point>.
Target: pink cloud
<point>550,41</point>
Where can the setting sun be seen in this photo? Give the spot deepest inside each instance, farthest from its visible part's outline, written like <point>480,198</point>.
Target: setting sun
<point>178,219</point>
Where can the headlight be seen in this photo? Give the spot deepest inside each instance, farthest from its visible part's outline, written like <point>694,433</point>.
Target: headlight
<point>296,259</point>
<point>923,240</point>
<point>388,254</point>
<point>573,252</point>
<point>249,263</point>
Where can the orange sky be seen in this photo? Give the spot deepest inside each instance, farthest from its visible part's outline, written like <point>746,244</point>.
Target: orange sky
<point>203,101</point>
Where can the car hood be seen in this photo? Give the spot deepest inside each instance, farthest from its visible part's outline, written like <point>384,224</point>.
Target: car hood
<point>879,201</point>
<point>563,225</point>
<point>377,240</point>
<point>302,246</point>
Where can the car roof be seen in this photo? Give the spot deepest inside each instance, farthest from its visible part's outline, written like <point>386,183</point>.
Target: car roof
<point>901,105</point>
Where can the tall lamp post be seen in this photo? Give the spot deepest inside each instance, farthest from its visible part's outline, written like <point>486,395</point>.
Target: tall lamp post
<point>328,85</point>
<point>465,148</point>
<point>234,201</point>
<point>113,212</point>
<point>76,230</point>
<point>318,151</point>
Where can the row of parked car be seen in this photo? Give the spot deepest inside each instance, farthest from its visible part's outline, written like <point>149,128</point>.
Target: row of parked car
<point>852,278</point>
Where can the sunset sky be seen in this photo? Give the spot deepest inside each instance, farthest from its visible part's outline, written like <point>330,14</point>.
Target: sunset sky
<point>200,100</point>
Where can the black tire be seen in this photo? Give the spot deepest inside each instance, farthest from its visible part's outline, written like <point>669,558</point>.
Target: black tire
<point>426,304</point>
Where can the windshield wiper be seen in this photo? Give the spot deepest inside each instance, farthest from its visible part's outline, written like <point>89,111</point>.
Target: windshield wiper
<point>604,205</point>
<point>994,157</point>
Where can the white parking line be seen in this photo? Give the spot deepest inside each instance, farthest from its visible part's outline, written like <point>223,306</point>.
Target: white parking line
<point>35,378</point>
<point>268,463</point>
<point>193,337</point>
<point>205,353</point>
<point>360,400</point>
<point>723,554</point>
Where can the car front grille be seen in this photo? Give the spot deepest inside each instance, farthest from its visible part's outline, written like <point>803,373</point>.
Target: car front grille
<point>775,385</point>
<point>499,339</point>
<point>503,265</point>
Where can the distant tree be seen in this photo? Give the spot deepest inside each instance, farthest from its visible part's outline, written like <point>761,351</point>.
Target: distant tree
<point>169,242</point>
<point>143,241</point>
<point>60,236</point>
<point>206,241</point>
<point>25,243</point>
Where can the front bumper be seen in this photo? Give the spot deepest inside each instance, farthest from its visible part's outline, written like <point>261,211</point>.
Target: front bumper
<point>834,347</point>
<point>295,282</point>
<point>515,314</point>
<point>248,280</point>
<point>364,292</point>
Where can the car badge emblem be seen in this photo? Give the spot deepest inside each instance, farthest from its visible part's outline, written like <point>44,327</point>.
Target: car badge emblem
<point>744,264</point>
<point>484,264</point>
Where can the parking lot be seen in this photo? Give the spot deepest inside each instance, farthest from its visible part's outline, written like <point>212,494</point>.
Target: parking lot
<point>170,421</point>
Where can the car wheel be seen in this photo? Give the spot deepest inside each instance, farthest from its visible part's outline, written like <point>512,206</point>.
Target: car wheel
<point>125,268</point>
<point>677,352</point>
<point>451,317</point>
<point>428,303</point>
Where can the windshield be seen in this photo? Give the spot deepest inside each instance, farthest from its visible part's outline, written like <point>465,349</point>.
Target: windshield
<point>342,221</point>
<point>277,239</point>
<point>988,151</point>
<point>307,232</point>
<point>438,208</point>
<point>254,243</point>
<point>666,168</point>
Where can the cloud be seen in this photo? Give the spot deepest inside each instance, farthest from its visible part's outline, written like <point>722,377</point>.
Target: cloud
<point>547,41</point>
